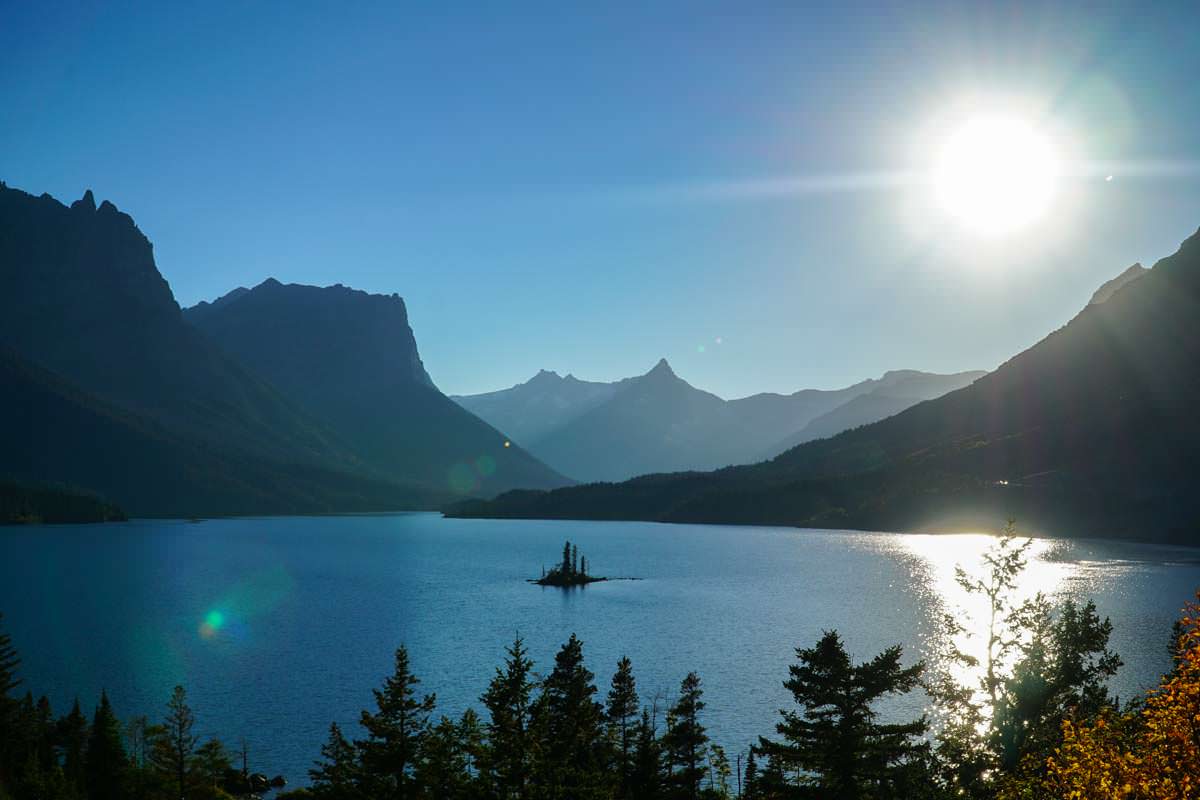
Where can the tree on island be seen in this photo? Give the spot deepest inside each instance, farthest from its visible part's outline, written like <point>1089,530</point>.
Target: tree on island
<point>571,572</point>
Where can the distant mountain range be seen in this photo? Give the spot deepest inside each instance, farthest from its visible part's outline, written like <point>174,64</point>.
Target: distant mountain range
<point>1091,432</point>
<point>657,422</point>
<point>107,387</point>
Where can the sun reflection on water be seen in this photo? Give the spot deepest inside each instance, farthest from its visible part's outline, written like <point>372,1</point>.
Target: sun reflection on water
<point>941,555</point>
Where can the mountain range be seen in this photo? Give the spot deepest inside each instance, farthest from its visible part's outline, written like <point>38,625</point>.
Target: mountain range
<point>657,422</point>
<point>110,388</point>
<point>1090,432</point>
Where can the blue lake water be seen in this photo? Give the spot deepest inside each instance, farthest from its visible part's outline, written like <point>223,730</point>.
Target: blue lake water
<point>278,626</point>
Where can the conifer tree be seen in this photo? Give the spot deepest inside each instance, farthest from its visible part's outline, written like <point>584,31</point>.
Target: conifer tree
<point>175,744</point>
<point>211,763</point>
<point>622,716</point>
<point>395,732</point>
<point>9,708</point>
<point>338,776</point>
<point>106,762</point>
<point>566,559</point>
<point>443,770</point>
<point>572,752</point>
<point>508,701</point>
<point>686,740</point>
<point>834,744</point>
<point>574,559</point>
<point>646,776</point>
<point>73,738</point>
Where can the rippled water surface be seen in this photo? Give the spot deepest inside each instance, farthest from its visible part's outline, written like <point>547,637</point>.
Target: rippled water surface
<point>279,626</point>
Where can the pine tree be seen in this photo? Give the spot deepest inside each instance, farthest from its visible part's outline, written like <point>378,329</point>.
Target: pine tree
<point>106,762</point>
<point>508,700</point>
<point>622,716</point>
<point>73,738</point>
<point>686,740</point>
<point>566,559</point>
<point>395,732</point>
<point>443,771</point>
<point>175,744</point>
<point>338,776</point>
<point>212,762</point>
<point>569,724</point>
<point>646,778</point>
<point>834,745</point>
<point>574,560</point>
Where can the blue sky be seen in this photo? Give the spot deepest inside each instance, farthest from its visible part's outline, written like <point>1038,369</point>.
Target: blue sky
<point>588,189</point>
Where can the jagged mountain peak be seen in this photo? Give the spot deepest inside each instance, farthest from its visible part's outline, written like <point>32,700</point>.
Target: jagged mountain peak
<point>662,370</point>
<point>85,203</point>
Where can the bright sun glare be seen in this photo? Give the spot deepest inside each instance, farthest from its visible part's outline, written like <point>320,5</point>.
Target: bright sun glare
<point>996,175</point>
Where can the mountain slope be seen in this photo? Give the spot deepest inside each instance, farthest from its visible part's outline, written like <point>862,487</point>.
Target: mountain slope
<point>889,395</point>
<point>656,422</point>
<point>84,299</point>
<point>1090,432</point>
<point>531,410</point>
<point>350,359</point>
<point>53,432</point>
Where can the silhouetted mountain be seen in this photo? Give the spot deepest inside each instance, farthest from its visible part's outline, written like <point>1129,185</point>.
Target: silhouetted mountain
<point>889,395</point>
<point>53,432</point>
<point>657,422</point>
<point>531,410</point>
<point>84,300</point>
<point>1091,432</point>
<point>653,423</point>
<point>350,359</point>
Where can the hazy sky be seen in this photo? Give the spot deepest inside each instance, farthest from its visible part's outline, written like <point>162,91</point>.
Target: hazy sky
<point>590,190</point>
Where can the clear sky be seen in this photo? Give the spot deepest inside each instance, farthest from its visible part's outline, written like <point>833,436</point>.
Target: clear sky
<point>590,189</point>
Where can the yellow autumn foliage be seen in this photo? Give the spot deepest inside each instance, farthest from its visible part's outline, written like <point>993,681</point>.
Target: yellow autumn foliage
<point>1152,754</point>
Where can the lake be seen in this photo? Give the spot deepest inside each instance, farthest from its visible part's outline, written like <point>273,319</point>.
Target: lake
<point>278,626</point>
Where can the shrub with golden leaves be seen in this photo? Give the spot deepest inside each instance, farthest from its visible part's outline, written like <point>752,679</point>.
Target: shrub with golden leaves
<point>1152,754</point>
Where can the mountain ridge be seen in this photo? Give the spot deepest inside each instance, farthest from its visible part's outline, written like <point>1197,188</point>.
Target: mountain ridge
<point>1089,432</point>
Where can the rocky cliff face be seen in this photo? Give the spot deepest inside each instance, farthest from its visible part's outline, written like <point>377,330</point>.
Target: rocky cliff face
<point>350,359</point>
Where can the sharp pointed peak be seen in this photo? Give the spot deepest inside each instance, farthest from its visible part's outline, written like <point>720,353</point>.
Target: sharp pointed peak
<point>85,203</point>
<point>662,368</point>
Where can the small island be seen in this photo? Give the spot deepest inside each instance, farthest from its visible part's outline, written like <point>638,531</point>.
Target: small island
<point>571,572</point>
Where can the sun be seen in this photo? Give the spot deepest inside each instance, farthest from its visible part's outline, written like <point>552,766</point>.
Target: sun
<point>996,175</point>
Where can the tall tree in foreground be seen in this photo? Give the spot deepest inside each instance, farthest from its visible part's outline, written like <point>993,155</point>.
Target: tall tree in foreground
<point>106,762</point>
<point>686,742</point>
<point>338,775</point>
<point>175,744</point>
<point>834,747</point>
<point>395,732</point>
<point>571,747</point>
<point>508,700</point>
<point>622,716</point>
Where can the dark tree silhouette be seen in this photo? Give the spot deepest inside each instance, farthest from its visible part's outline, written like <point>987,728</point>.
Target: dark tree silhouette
<point>686,740</point>
<point>833,745</point>
<point>622,715</point>
<point>175,744</point>
<point>106,761</point>
<point>395,732</point>
<point>508,701</point>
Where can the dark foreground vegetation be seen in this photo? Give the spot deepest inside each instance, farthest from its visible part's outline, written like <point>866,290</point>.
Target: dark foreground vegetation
<point>24,504</point>
<point>1037,723</point>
